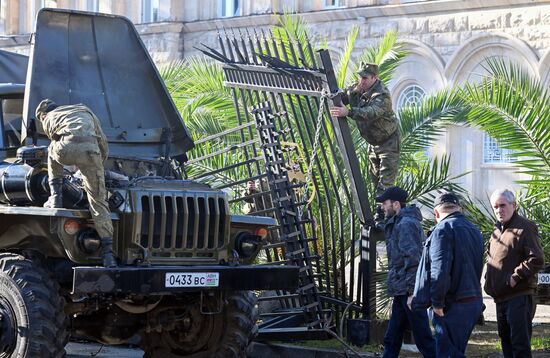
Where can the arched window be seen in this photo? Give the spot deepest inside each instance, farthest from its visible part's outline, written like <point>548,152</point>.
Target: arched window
<point>410,96</point>
<point>493,153</point>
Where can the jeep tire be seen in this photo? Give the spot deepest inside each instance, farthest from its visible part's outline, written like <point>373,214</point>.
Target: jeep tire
<point>227,334</point>
<point>32,319</point>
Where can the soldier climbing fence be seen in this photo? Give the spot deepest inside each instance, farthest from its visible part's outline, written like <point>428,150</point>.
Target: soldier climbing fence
<point>307,174</point>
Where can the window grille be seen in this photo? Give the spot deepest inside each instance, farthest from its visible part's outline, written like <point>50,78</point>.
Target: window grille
<point>493,153</point>
<point>411,96</point>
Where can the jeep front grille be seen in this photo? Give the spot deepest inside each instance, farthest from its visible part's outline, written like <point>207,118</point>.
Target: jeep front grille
<point>177,225</point>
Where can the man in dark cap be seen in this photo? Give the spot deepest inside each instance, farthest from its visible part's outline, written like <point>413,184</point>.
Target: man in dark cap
<point>370,106</point>
<point>77,139</point>
<point>448,277</point>
<point>404,238</point>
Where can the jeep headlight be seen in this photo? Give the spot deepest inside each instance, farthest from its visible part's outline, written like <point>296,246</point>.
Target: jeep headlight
<point>247,244</point>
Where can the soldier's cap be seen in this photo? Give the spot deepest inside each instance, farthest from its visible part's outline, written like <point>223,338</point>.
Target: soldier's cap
<point>446,197</point>
<point>45,106</point>
<point>367,69</point>
<point>394,193</point>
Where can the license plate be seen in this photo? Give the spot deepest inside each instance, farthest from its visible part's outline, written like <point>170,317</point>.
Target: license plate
<point>544,278</point>
<point>193,279</point>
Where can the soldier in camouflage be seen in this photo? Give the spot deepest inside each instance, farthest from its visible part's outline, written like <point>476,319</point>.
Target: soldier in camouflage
<point>370,107</point>
<point>77,139</point>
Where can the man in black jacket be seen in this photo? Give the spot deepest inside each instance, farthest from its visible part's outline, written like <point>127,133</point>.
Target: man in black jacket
<point>515,256</point>
<point>448,277</point>
<point>404,238</point>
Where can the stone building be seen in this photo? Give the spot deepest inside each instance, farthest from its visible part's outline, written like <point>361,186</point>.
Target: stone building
<point>448,42</point>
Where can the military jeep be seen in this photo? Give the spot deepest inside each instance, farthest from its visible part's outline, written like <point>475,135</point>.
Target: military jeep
<point>184,277</point>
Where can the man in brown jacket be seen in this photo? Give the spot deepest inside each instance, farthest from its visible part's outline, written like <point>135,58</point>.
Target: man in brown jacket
<point>515,256</point>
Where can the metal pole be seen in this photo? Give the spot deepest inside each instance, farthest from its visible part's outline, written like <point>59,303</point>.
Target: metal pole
<point>358,189</point>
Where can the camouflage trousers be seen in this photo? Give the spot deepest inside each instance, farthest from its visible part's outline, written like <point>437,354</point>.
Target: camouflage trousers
<point>384,162</point>
<point>89,160</point>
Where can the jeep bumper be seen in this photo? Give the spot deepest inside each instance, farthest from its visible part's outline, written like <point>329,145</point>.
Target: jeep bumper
<point>176,279</point>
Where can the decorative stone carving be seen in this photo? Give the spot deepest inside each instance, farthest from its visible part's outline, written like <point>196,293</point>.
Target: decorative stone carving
<point>485,20</point>
<point>527,18</point>
<point>441,24</point>
<point>461,23</point>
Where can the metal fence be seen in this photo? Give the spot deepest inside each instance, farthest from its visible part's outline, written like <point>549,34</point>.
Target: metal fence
<point>306,174</point>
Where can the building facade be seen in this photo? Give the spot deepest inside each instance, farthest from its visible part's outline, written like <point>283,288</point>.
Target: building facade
<point>448,42</point>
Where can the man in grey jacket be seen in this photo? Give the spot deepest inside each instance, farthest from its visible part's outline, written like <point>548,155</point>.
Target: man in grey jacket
<point>404,238</point>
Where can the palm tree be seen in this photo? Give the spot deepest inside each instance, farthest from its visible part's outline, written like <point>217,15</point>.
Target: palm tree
<point>514,108</point>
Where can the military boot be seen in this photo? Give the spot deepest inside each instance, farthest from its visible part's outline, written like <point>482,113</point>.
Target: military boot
<point>107,254</point>
<point>56,194</point>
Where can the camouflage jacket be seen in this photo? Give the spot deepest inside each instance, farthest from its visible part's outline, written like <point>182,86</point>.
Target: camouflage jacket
<point>75,120</point>
<point>372,111</point>
<point>404,239</point>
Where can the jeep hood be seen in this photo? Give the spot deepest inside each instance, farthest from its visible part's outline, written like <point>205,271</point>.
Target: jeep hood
<point>99,60</point>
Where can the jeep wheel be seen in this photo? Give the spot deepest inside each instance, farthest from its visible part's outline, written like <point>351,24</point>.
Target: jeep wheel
<point>223,335</point>
<point>32,320</point>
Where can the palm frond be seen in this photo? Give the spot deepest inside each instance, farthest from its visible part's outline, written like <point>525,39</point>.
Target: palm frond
<point>387,54</point>
<point>421,176</point>
<point>196,86</point>
<point>535,204</point>
<point>343,74</point>
<point>422,124</point>
<point>172,71</point>
<point>479,212</point>
<point>294,32</point>
<point>515,110</point>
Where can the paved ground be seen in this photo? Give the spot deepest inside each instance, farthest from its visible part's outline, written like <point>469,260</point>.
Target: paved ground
<point>483,344</point>
<point>87,350</point>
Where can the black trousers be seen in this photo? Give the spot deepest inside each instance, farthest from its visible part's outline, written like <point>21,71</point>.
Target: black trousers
<point>514,319</point>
